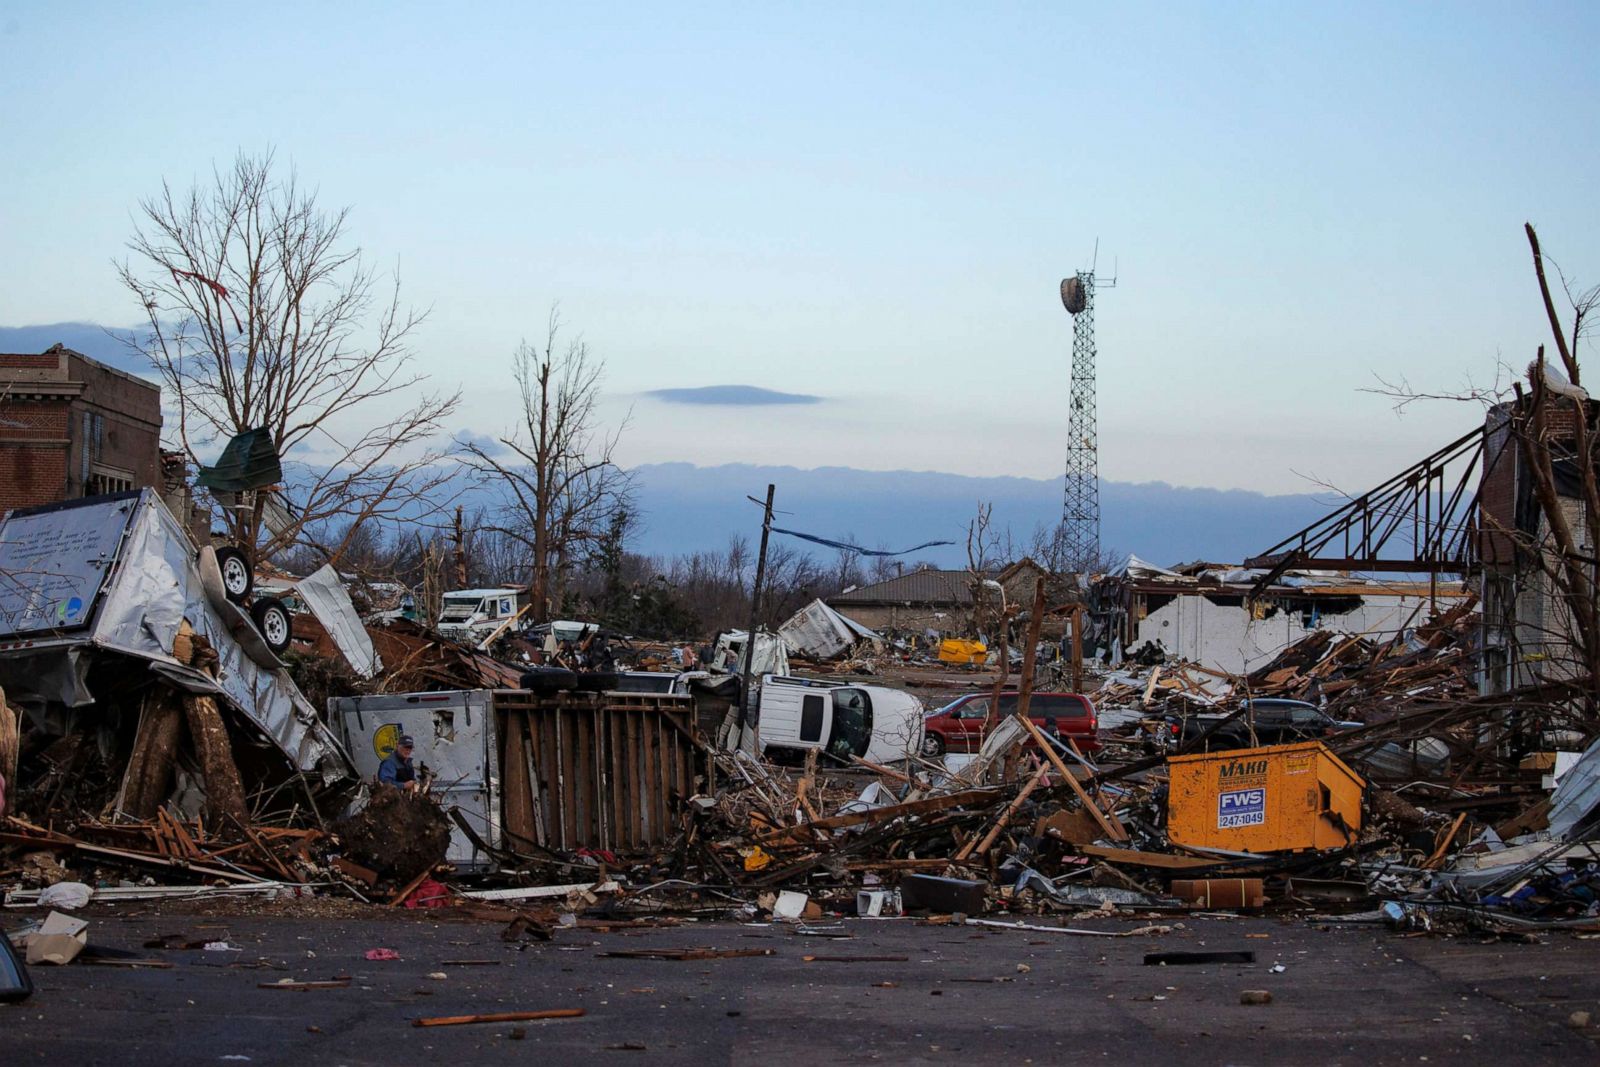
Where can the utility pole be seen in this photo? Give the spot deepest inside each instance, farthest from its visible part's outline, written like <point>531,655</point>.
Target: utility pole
<point>755,610</point>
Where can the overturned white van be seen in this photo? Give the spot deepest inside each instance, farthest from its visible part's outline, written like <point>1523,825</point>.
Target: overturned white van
<point>873,722</point>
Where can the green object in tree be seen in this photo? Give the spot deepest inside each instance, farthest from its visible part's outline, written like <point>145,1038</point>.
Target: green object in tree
<point>249,462</point>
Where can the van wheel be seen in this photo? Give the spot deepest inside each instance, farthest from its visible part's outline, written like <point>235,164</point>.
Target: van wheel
<point>236,577</point>
<point>932,746</point>
<point>272,619</point>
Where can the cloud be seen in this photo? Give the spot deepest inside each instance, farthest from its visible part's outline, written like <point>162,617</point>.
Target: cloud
<point>733,395</point>
<point>489,446</point>
<point>104,343</point>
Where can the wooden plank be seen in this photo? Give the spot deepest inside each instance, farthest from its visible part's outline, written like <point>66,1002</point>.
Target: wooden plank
<point>861,818</point>
<point>542,726</point>
<point>635,815</point>
<point>1115,832</point>
<point>616,755</point>
<point>658,787</point>
<point>1005,816</point>
<point>583,777</point>
<point>571,781</point>
<point>1150,686</point>
<point>516,791</point>
<point>1135,858</point>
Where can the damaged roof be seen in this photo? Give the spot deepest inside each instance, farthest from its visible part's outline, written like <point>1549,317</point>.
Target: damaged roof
<point>917,587</point>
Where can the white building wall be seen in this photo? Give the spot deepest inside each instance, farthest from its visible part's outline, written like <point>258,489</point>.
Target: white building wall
<point>1225,638</point>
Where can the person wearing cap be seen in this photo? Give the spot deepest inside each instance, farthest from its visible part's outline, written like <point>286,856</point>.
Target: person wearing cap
<point>396,768</point>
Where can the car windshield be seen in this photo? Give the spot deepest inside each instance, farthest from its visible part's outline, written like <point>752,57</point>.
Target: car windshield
<point>852,723</point>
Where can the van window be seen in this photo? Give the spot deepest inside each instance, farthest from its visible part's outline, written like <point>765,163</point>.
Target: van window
<point>977,709</point>
<point>852,723</point>
<point>505,607</point>
<point>1059,705</point>
<point>811,708</point>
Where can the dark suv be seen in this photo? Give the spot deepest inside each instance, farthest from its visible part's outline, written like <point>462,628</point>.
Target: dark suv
<point>1278,722</point>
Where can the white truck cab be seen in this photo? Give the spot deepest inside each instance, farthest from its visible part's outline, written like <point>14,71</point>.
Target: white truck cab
<point>870,721</point>
<point>470,615</point>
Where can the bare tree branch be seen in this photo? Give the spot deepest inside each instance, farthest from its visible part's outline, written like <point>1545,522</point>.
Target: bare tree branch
<point>261,315</point>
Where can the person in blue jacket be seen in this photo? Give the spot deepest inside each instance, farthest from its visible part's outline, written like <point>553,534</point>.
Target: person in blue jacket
<point>396,768</point>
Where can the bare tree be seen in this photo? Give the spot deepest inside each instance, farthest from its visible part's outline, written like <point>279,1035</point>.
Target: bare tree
<point>261,314</point>
<point>562,487</point>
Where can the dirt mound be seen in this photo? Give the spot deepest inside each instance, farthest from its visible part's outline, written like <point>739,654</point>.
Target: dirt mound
<point>398,834</point>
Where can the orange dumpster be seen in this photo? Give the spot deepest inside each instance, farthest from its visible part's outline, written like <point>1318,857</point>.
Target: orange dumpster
<point>1281,798</point>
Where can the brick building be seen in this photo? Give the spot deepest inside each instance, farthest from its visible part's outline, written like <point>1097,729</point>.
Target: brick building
<point>71,427</point>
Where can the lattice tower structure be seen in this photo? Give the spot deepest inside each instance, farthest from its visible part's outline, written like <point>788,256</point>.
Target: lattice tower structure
<point>1080,516</point>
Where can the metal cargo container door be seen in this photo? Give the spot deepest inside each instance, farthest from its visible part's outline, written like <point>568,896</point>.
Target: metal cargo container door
<point>452,733</point>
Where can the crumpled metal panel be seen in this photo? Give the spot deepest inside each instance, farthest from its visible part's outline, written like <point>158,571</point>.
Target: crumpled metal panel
<point>53,563</point>
<point>152,588</point>
<point>455,736</point>
<point>1576,797</point>
<point>820,631</point>
<point>324,594</point>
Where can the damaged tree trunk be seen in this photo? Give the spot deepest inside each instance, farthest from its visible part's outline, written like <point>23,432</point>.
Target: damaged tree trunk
<point>155,750</point>
<point>10,741</point>
<point>224,788</point>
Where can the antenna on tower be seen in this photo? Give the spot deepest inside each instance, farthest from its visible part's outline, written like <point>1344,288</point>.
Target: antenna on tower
<point>1080,511</point>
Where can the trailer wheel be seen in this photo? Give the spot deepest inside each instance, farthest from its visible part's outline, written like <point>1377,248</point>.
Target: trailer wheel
<point>237,581</point>
<point>272,619</point>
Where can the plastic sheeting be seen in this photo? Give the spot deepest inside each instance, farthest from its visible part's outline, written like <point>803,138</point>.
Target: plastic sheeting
<point>151,588</point>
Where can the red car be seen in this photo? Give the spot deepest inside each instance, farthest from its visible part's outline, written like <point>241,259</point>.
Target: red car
<point>962,724</point>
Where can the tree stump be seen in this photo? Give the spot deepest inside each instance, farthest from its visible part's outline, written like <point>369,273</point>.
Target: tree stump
<point>148,779</point>
<point>224,788</point>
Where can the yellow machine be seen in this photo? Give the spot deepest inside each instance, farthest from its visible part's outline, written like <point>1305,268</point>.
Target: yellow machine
<point>958,651</point>
<point>1281,798</point>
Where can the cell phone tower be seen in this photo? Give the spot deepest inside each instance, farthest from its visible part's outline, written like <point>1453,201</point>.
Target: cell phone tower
<point>1080,512</point>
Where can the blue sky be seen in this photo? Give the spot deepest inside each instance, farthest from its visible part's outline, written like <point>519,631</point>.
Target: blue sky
<point>875,206</point>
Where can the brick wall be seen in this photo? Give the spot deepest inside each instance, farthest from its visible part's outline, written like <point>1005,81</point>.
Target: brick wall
<point>27,361</point>
<point>36,475</point>
<point>33,454</point>
<point>69,426</point>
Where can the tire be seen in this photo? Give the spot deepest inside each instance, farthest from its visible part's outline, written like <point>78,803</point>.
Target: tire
<point>547,680</point>
<point>597,681</point>
<point>932,746</point>
<point>272,620</point>
<point>237,580</point>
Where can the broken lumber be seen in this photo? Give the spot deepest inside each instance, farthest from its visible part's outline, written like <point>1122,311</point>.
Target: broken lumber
<point>687,953</point>
<point>975,797</point>
<point>499,1017</point>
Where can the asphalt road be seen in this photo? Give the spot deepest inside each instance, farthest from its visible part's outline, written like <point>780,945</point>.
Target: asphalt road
<point>961,995</point>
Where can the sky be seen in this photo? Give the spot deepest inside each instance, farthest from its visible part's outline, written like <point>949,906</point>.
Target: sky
<point>870,207</point>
